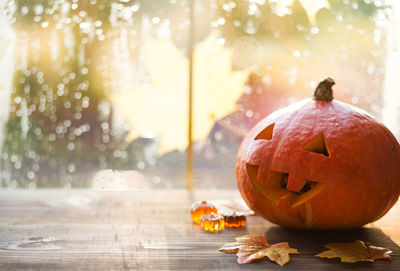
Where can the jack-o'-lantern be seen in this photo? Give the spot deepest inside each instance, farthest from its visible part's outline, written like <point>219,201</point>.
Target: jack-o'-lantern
<point>319,164</point>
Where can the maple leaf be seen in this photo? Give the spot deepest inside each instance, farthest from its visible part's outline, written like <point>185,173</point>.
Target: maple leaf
<point>355,252</point>
<point>249,248</point>
<point>159,107</point>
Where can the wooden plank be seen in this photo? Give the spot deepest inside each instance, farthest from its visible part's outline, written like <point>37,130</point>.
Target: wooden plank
<point>152,230</point>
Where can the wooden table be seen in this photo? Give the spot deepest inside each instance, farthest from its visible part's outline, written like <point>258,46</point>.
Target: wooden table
<point>152,230</point>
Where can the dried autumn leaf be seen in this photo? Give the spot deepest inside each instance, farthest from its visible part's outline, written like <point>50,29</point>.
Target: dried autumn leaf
<point>246,241</point>
<point>355,252</point>
<point>249,248</point>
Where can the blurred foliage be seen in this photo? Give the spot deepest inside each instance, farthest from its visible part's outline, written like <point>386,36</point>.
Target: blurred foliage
<point>56,126</point>
<point>249,17</point>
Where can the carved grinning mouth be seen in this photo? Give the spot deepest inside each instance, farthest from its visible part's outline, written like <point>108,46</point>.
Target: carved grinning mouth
<point>278,180</point>
<point>277,188</point>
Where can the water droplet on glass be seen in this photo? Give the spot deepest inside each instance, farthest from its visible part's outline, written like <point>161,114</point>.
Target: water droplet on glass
<point>24,10</point>
<point>371,68</point>
<point>52,137</point>
<point>218,136</point>
<point>155,20</point>
<point>354,100</point>
<point>44,24</point>
<point>38,9</point>
<point>156,179</point>
<point>314,30</point>
<point>237,23</point>
<point>300,27</point>
<point>214,24</point>
<point>250,27</point>
<point>141,165</point>
<point>220,41</point>
<point>221,21</point>
<point>247,89</point>
<point>249,113</point>
<point>70,146</point>
<point>135,7</point>
<point>253,9</point>
<point>71,168</point>
<point>30,175</point>
<point>17,165</point>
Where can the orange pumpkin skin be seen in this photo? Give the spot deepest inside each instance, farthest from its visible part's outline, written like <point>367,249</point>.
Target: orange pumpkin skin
<point>322,165</point>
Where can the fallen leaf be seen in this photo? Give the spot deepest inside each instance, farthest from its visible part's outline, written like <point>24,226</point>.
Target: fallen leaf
<point>245,241</point>
<point>249,248</point>
<point>355,252</point>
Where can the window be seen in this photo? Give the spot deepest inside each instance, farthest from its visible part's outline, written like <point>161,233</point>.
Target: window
<point>95,93</point>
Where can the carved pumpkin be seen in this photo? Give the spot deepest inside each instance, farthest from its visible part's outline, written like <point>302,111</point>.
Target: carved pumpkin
<point>319,164</point>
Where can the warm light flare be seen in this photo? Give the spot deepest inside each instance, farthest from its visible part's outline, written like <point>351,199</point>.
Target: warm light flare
<point>160,107</point>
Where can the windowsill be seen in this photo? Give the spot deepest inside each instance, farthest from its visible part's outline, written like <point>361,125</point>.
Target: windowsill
<point>57,229</point>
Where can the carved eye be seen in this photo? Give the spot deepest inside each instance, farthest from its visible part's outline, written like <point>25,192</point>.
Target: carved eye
<point>266,133</point>
<point>318,145</point>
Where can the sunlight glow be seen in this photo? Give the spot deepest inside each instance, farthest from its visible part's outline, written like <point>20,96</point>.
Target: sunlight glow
<point>160,107</point>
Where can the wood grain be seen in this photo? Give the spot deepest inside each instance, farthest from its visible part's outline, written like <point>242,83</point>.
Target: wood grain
<point>152,230</point>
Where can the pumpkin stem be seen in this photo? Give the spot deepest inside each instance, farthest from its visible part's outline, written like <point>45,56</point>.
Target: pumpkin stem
<point>324,92</point>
